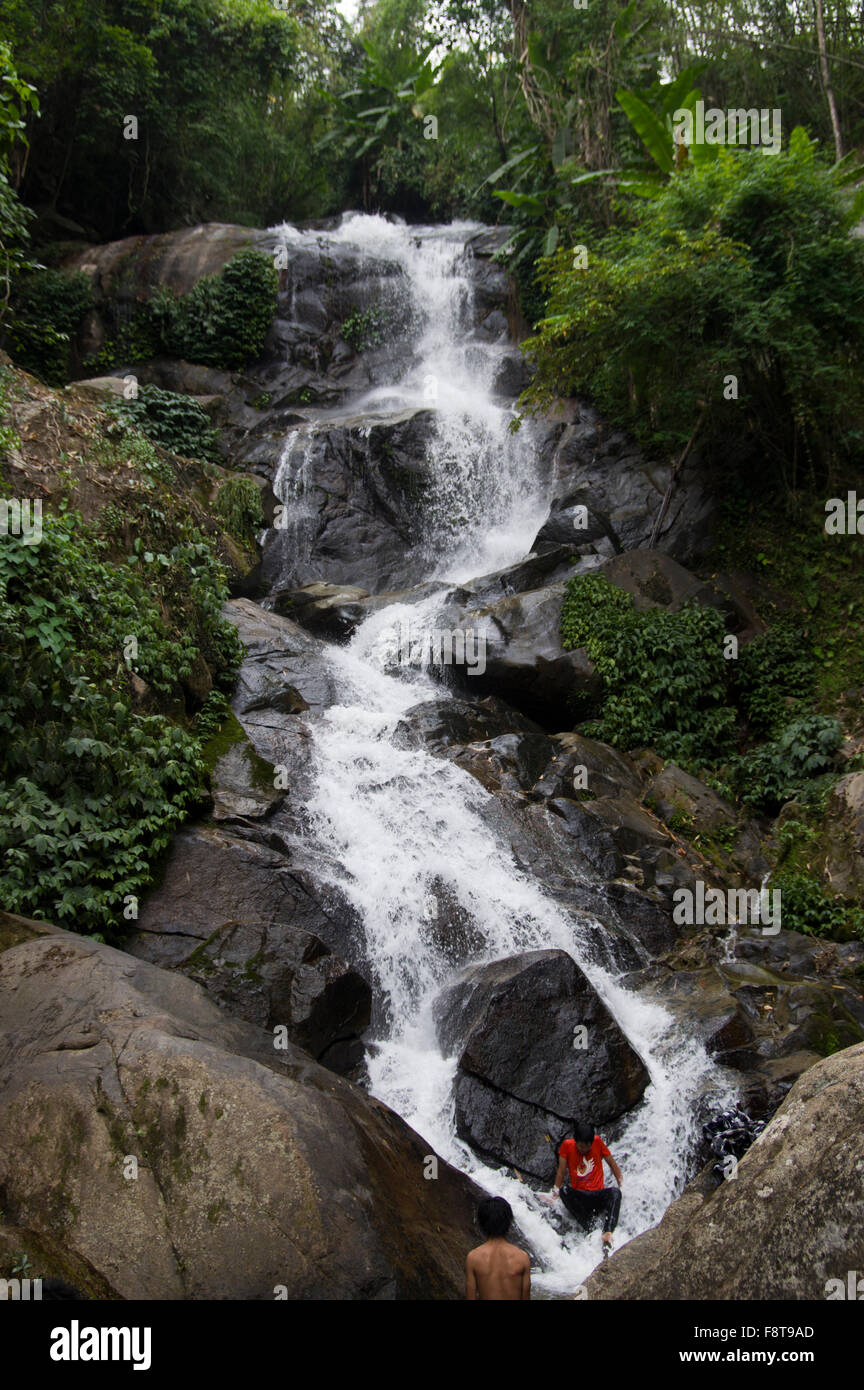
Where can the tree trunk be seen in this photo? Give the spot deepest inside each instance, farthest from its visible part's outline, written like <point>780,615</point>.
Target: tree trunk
<point>826,79</point>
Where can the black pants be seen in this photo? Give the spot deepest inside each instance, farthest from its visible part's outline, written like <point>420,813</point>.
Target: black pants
<point>588,1208</point>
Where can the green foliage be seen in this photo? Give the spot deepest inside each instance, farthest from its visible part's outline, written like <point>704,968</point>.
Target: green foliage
<point>820,576</point>
<point>239,502</point>
<point>666,684</point>
<point>222,322</point>
<point>741,267</point>
<point>16,96</point>
<point>772,672</point>
<point>135,340</point>
<point>663,673</point>
<point>366,327</point>
<point>807,908</point>
<point>789,766</point>
<point>176,422</point>
<point>90,788</point>
<point>228,97</point>
<point>47,309</point>
<point>9,438</point>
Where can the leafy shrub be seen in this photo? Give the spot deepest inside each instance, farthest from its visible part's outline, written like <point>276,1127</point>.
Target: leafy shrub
<point>789,766</point>
<point>90,788</point>
<point>663,673</point>
<point>364,329</point>
<point>743,266</point>
<point>239,503</point>
<point>807,908</point>
<point>9,438</point>
<point>776,668</point>
<point>175,421</point>
<point>16,96</point>
<point>224,320</point>
<point>134,341</point>
<point>46,312</point>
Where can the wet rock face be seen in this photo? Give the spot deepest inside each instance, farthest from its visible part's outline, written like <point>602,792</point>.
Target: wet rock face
<point>770,1010</point>
<point>534,1042</point>
<point>256,1168</point>
<point>275,975</point>
<point>360,519</point>
<point>600,468</point>
<point>790,1226</point>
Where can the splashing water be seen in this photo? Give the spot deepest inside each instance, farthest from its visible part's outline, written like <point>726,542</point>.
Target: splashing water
<point>484,502</point>
<point>403,831</point>
<point>399,823</point>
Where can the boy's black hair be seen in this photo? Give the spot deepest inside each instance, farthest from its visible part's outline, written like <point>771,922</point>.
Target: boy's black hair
<point>583,1133</point>
<point>494,1216</point>
<point>55,1290</point>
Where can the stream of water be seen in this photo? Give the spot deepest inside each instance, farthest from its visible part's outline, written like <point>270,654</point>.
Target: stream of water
<point>396,823</point>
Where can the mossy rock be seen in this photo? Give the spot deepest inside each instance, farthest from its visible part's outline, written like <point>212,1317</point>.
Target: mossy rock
<point>14,930</point>
<point>47,1259</point>
<point>242,782</point>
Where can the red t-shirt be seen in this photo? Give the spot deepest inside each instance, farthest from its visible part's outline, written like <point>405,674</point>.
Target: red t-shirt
<point>586,1174</point>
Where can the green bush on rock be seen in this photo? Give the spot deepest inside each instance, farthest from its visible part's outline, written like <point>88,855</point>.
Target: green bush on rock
<point>176,422</point>
<point>224,320</point>
<point>663,673</point>
<point>741,268</point>
<point>239,503</point>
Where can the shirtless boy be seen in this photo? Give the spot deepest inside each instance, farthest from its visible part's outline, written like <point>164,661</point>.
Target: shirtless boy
<point>497,1269</point>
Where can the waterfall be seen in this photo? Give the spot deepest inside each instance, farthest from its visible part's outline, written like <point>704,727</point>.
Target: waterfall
<point>402,830</point>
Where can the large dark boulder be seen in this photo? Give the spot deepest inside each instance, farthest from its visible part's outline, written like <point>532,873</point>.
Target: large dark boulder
<point>600,467</point>
<point>359,521</point>
<point>525,661</point>
<point>513,1023</point>
<point>448,725</point>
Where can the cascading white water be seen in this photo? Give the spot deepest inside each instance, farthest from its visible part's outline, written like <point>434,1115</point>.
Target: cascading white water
<point>399,826</point>
<point>483,505</point>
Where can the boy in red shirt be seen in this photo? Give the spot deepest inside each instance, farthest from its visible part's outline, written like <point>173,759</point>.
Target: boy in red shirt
<point>585,1196</point>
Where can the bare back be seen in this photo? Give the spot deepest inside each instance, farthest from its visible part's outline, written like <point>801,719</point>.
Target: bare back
<point>498,1270</point>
